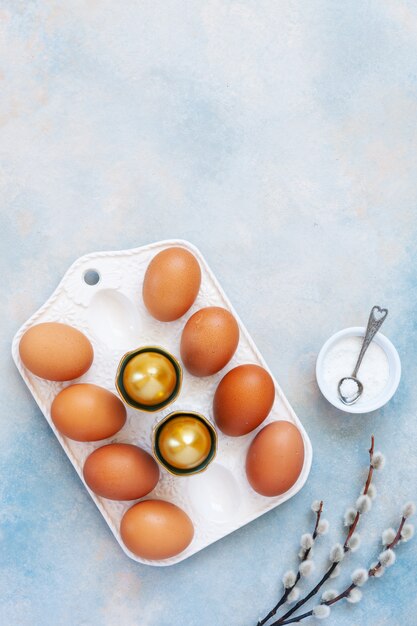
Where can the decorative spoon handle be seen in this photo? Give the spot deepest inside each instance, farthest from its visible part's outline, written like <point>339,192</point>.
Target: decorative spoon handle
<point>374,324</point>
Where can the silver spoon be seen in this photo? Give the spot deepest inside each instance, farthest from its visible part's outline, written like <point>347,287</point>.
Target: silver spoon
<point>350,388</point>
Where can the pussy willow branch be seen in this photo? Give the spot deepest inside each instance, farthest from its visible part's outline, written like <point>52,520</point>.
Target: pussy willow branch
<point>352,527</point>
<point>372,571</point>
<point>287,591</point>
<point>346,592</point>
<point>346,548</point>
<point>390,546</point>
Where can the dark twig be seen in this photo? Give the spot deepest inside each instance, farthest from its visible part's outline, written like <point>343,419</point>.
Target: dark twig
<point>346,548</point>
<point>352,527</point>
<point>287,591</point>
<point>372,571</point>
<point>298,618</point>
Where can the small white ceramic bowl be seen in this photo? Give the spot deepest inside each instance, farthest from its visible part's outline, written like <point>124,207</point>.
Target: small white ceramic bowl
<point>393,380</point>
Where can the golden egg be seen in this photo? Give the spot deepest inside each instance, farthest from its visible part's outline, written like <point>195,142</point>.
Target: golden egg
<point>184,442</point>
<point>149,378</point>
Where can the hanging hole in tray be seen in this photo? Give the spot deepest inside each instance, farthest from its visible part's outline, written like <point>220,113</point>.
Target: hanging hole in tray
<point>91,277</point>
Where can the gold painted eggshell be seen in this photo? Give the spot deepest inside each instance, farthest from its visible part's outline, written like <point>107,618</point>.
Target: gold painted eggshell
<point>243,399</point>
<point>148,378</point>
<point>56,351</point>
<point>156,529</point>
<point>171,284</point>
<point>209,340</point>
<point>184,442</point>
<point>275,458</point>
<point>87,412</point>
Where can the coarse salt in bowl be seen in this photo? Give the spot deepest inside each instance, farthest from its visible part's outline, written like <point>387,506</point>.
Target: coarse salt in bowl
<point>380,371</point>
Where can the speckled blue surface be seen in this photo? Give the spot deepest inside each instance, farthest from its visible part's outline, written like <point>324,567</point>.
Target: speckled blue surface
<point>280,138</point>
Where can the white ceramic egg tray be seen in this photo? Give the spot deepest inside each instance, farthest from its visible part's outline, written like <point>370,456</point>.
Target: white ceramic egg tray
<point>112,315</point>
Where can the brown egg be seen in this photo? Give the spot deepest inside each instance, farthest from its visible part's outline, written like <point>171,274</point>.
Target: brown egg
<point>171,284</point>
<point>243,399</point>
<point>209,340</point>
<point>275,458</point>
<point>55,351</point>
<point>86,412</point>
<point>121,471</point>
<point>155,529</point>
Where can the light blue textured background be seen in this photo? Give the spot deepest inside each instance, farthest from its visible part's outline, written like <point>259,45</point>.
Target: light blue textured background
<point>281,138</point>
